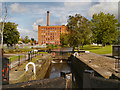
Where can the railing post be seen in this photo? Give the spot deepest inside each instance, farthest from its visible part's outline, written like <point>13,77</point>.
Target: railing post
<point>19,60</point>
<point>10,63</point>
<point>29,56</point>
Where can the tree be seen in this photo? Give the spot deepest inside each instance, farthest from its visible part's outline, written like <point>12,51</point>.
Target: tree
<point>80,30</point>
<point>64,39</point>
<point>3,18</point>
<point>26,39</point>
<point>35,42</point>
<point>32,41</point>
<point>104,28</point>
<point>20,39</point>
<point>10,34</point>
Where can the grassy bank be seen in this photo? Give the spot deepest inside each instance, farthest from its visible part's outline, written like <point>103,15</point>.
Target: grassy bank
<point>98,49</point>
<point>14,58</point>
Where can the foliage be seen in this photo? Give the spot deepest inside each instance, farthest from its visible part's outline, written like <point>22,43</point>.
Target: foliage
<point>20,40</point>
<point>64,39</point>
<point>104,28</point>
<point>32,41</point>
<point>10,33</point>
<point>26,40</point>
<point>56,45</point>
<point>50,46</point>
<point>80,30</point>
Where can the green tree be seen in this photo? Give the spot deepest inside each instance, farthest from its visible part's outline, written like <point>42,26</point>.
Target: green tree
<point>104,28</point>
<point>32,41</point>
<point>10,33</point>
<point>64,39</point>
<point>80,30</point>
<point>26,40</point>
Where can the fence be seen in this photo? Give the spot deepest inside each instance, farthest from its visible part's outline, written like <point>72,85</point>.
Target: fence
<point>19,59</point>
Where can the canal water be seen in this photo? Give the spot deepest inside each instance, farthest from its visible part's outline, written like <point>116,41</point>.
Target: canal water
<point>60,63</point>
<point>56,68</point>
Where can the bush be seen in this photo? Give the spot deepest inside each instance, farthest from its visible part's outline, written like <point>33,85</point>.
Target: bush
<point>11,51</point>
<point>56,45</point>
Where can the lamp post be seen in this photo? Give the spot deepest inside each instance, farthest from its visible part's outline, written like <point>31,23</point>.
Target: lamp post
<point>78,24</point>
<point>118,48</point>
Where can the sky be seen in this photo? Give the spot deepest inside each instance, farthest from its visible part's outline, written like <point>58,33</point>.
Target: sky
<point>28,15</point>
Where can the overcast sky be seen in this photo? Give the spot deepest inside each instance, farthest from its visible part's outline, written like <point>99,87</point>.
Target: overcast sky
<point>28,15</point>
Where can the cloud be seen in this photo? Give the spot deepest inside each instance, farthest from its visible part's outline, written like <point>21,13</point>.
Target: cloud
<point>36,23</point>
<point>61,21</point>
<point>58,0</point>
<point>76,4</point>
<point>26,32</point>
<point>16,7</point>
<point>106,7</point>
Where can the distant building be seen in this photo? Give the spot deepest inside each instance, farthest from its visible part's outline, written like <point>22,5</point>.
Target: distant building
<point>50,34</point>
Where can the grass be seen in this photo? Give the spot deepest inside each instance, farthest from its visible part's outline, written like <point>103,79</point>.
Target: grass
<point>34,59</point>
<point>18,50</point>
<point>98,49</point>
<point>14,58</point>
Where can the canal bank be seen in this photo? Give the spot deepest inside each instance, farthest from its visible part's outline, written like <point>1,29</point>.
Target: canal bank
<point>93,71</point>
<point>19,74</point>
<point>88,71</point>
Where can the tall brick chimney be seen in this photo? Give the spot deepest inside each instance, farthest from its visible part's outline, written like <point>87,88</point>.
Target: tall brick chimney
<point>47,18</point>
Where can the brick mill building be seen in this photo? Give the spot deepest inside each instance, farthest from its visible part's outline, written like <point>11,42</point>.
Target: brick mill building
<point>50,34</point>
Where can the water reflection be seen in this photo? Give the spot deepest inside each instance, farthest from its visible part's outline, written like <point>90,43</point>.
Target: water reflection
<point>57,68</point>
